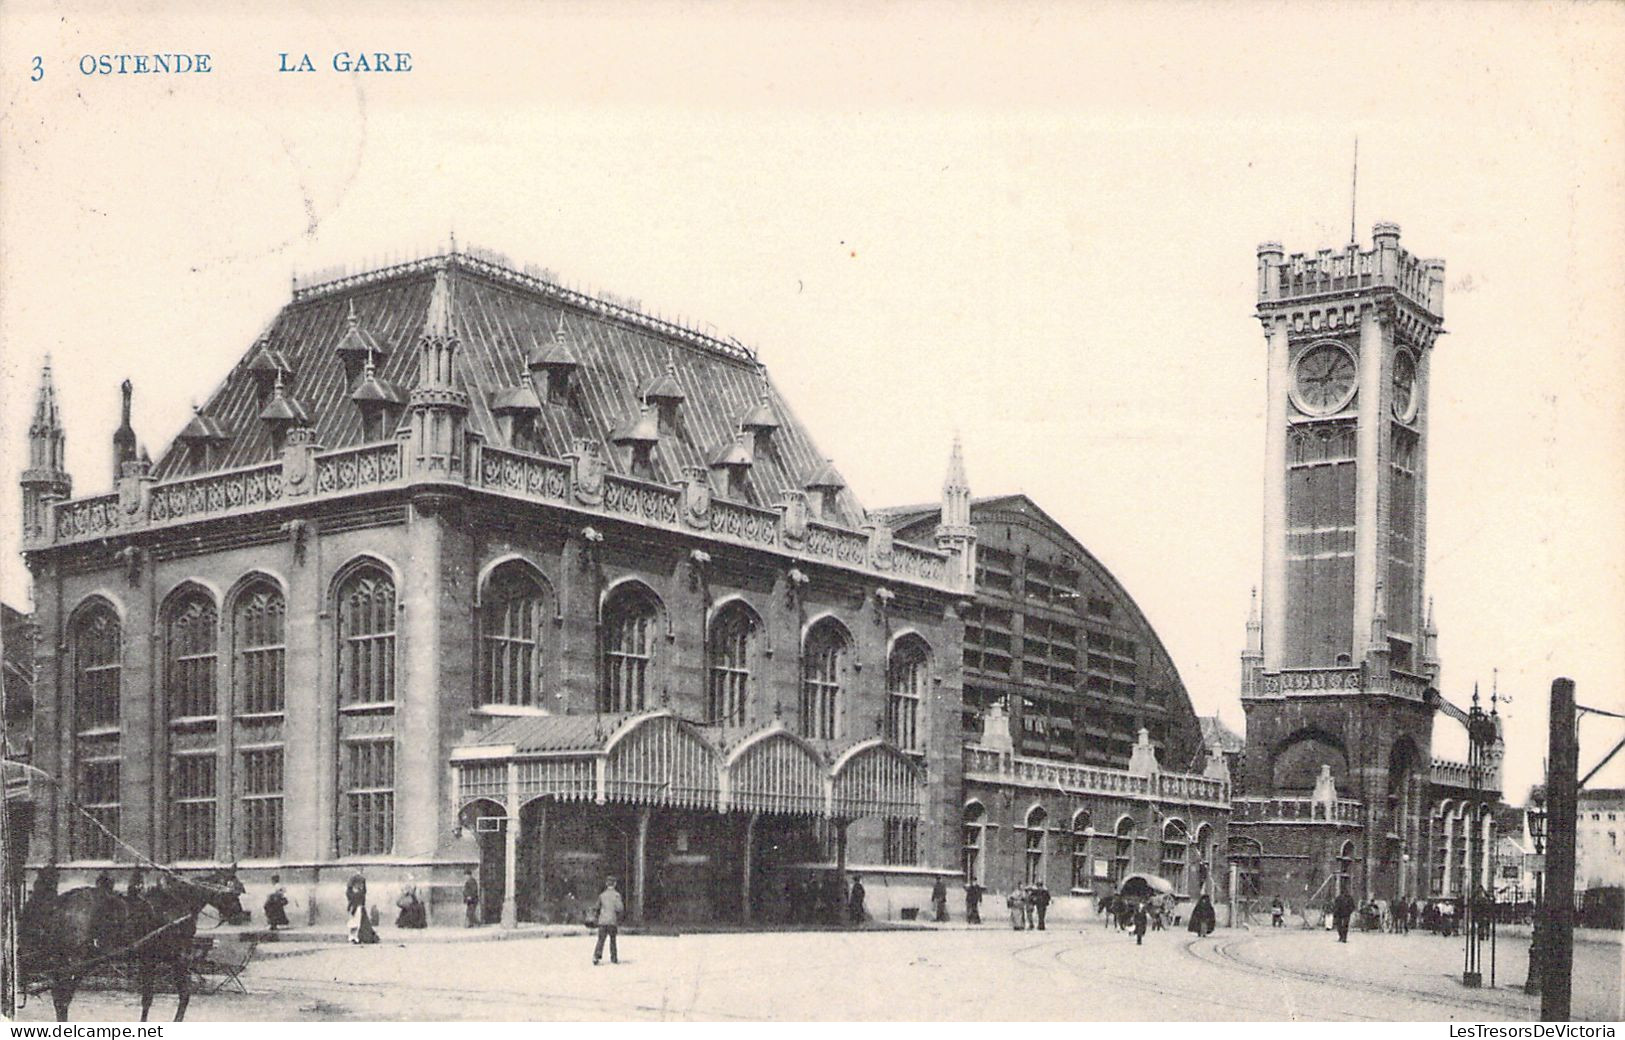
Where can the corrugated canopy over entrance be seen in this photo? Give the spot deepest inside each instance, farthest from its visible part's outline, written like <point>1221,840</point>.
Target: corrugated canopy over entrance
<point>659,759</point>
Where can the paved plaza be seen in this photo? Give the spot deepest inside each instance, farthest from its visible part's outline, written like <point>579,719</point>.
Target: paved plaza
<point>949,974</point>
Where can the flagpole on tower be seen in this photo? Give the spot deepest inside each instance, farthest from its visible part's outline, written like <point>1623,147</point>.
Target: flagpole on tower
<point>1354,193</point>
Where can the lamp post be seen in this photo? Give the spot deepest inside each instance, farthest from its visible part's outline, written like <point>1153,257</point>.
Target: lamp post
<point>1535,814</point>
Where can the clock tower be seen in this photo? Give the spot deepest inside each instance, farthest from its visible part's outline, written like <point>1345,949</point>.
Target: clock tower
<point>1335,674</point>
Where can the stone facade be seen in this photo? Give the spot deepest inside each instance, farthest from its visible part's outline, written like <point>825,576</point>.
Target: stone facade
<point>278,645</point>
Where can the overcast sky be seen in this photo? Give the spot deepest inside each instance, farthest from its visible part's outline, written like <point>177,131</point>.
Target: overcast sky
<point>1035,227</point>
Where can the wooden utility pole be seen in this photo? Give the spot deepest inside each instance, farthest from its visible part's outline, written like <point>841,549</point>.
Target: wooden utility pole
<point>1557,914</point>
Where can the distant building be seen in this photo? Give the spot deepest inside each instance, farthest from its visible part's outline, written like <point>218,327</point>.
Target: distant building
<point>1084,762</point>
<point>1600,839</point>
<point>459,568</point>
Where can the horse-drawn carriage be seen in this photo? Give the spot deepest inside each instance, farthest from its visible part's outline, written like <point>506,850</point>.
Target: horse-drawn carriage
<point>84,933</point>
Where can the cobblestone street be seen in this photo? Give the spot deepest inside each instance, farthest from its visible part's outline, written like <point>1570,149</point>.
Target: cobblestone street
<point>951,974</point>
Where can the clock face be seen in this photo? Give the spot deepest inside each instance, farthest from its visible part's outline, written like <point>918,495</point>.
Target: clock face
<point>1405,398</point>
<point>1323,379</point>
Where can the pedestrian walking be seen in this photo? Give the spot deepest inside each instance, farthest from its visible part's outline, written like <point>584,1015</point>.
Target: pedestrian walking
<point>854,904</point>
<point>413,914</point>
<point>355,904</point>
<point>939,900</point>
<point>1018,909</point>
<point>276,905</point>
<point>138,884</point>
<point>608,919</point>
<point>471,899</point>
<point>1203,919</point>
<point>1028,910</point>
<point>1141,919</point>
<point>1342,910</point>
<point>1040,901</point>
<point>973,903</point>
<point>1277,913</point>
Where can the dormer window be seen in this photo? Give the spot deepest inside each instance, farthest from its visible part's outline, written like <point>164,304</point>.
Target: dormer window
<point>281,414</point>
<point>358,347</point>
<point>553,366</point>
<point>734,462</point>
<point>823,491</point>
<point>267,365</point>
<point>516,409</point>
<point>638,436</point>
<point>666,396</point>
<point>380,403</point>
<point>759,424</point>
<point>204,438</point>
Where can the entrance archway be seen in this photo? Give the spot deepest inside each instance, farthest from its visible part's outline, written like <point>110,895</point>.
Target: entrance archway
<point>488,822</point>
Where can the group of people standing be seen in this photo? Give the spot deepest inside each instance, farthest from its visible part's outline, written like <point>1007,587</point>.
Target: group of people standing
<point>1028,904</point>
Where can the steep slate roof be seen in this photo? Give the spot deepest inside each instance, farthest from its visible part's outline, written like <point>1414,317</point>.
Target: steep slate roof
<point>500,318</point>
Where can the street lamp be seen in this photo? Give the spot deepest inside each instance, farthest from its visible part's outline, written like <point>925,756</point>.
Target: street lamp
<point>1535,813</point>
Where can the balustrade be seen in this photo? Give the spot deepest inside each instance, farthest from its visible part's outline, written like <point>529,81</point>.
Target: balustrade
<point>989,764</point>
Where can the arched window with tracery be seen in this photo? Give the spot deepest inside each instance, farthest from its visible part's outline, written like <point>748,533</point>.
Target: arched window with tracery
<point>972,834</point>
<point>259,663</point>
<point>906,677</point>
<point>366,604</point>
<point>96,645</point>
<point>823,676</point>
<point>630,618</point>
<point>366,609</point>
<point>1174,852</point>
<point>732,642</point>
<point>1204,854</point>
<point>1033,861</point>
<point>511,625</point>
<point>1082,872</point>
<point>191,639</point>
<point>1123,852</point>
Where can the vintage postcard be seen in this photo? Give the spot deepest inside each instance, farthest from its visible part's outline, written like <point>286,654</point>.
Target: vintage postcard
<point>655,511</point>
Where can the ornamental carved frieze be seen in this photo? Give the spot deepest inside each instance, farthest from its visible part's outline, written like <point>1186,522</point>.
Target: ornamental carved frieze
<point>1330,680</point>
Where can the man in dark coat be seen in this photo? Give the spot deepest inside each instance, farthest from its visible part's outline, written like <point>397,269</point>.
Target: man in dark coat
<point>1342,910</point>
<point>1141,919</point>
<point>276,905</point>
<point>973,903</point>
<point>939,899</point>
<point>137,885</point>
<point>471,898</point>
<point>1203,919</point>
<point>1039,897</point>
<point>855,903</point>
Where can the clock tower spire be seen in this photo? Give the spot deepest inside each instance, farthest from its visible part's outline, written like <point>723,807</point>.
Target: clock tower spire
<point>1348,336</point>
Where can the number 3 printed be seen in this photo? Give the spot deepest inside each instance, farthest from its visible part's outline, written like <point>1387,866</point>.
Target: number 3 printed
<point>39,70</point>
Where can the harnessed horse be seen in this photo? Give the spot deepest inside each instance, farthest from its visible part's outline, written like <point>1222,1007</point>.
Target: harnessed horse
<point>64,937</point>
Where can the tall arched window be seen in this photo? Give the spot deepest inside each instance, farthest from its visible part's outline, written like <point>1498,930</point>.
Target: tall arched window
<point>365,601</point>
<point>259,649</point>
<point>823,674</point>
<point>973,831</point>
<point>97,653</point>
<point>1034,860</point>
<point>511,620</point>
<point>259,652</point>
<point>1123,853</point>
<point>1345,868</point>
<point>191,626</point>
<point>1082,872</point>
<point>1174,840</point>
<point>630,619</point>
<point>906,676</point>
<point>733,634</point>
<point>366,609</point>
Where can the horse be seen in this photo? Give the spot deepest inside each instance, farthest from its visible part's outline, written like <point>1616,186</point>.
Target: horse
<point>64,937</point>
